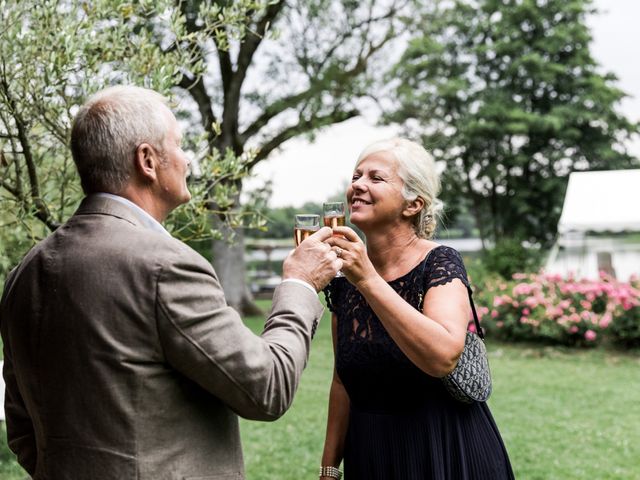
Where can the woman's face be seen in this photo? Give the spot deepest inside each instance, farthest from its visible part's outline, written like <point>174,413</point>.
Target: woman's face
<point>375,196</point>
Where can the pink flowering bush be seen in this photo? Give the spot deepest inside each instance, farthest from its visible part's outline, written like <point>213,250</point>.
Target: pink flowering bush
<point>624,327</point>
<point>551,309</point>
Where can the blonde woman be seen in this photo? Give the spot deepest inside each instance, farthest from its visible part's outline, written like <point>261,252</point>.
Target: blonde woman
<point>400,317</point>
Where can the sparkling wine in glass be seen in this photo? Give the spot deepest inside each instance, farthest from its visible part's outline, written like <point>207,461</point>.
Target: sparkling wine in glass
<point>333,214</point>
<point>305,225</point>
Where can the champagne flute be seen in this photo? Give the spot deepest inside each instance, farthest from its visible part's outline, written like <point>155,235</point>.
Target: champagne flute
<point>305,225</point>
<point>334,216</point>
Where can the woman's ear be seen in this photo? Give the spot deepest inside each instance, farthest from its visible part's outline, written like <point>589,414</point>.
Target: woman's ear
<point>146,161</point>
<point>413,207</point>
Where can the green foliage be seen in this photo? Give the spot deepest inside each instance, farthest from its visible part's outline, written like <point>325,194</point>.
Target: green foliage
<point>53,54</point>
<point>625,324</point>
<point>9,468</point>
<point>625,327</point>
<point>508,96</point>
<point>509,256</point>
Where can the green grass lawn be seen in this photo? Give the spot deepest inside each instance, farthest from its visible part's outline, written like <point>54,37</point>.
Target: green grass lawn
<point>563,414</point>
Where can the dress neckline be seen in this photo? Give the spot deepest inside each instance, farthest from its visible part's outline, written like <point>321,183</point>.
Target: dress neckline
<point>426,257</point>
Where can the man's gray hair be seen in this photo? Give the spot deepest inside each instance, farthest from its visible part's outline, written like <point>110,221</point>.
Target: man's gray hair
<point>108,129</point>
<point>417,169</point>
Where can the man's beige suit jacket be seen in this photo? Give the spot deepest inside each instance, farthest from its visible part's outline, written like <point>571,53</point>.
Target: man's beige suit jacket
<point>123,361</point>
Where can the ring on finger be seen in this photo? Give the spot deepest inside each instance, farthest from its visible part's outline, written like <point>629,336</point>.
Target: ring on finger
<point>338,252</point>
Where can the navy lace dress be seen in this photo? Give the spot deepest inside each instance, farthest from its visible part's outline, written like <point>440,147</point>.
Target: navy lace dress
<point>403,425</point>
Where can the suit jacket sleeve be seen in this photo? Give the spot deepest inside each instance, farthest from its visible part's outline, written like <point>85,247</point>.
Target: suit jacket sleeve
<point>206,340</point>
<point>20,431</point>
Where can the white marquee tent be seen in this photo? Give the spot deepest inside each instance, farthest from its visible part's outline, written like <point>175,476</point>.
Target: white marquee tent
<point>599,228</point>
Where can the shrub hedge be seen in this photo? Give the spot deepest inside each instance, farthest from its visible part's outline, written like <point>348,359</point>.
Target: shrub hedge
<point>566,311</point>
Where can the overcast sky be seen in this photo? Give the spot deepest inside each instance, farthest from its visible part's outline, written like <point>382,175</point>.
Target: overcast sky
<point>302,172</point>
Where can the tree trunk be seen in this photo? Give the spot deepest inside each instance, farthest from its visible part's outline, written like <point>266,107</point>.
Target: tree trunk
<point>228,261</point>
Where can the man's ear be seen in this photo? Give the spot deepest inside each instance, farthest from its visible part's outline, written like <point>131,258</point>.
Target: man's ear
<point>146,161</point>
<point>413,207</point>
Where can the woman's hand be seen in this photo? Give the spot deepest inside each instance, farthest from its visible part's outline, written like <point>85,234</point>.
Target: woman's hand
<point>356,265</point>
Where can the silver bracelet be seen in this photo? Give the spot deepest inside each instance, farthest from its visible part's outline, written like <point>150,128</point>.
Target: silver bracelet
<point>331,472</point>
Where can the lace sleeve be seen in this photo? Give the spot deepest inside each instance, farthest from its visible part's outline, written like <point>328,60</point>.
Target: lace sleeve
<point>444,265</point>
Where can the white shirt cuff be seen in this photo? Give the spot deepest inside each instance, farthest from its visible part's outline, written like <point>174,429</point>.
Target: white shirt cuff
<point>300,282</point>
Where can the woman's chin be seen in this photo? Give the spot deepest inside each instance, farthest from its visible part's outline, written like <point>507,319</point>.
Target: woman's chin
<point>358,221</point>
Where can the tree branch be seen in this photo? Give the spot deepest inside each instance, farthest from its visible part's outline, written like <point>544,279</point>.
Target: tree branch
<point>252,42</point>
<point>316,86</point>
<point>352,28</point>
<point>198,92</point>
<point>232,80</point>
<point>42,213</point>
<point>10,189</point>
<point>303,126</point>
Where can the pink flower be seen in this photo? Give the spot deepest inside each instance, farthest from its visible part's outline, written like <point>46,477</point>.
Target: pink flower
<point>590,335</point>
<point>605,320</point>
<point>494,313</point>
<point>573,329</point>
<point>526,311</point>
<point>499,324</point>
<point>522,289</point>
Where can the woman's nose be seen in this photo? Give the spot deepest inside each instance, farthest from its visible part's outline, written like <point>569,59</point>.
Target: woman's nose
<point>358,185</point>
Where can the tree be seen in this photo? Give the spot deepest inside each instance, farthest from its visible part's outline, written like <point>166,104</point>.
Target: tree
<point>52,55</point>
<point>507,95</point>
<point>266,89</point>
<point>256,72</point>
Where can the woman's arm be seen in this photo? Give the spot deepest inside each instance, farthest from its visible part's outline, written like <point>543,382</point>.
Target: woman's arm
<point>338,416</point>
<point>432,339</point>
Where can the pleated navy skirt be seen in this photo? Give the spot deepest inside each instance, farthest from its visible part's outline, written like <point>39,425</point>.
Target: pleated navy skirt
<point>430,443</point>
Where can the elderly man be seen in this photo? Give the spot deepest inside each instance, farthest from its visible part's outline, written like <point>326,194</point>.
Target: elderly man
<point>122,359</point>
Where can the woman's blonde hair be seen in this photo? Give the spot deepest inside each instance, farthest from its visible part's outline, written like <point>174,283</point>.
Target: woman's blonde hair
<point>417,169</point>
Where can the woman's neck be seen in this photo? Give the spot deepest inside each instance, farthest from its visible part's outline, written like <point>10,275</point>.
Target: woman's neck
<point>395,251</point>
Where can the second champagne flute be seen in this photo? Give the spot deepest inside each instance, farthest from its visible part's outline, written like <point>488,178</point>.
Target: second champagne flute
<point>333,214</point>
